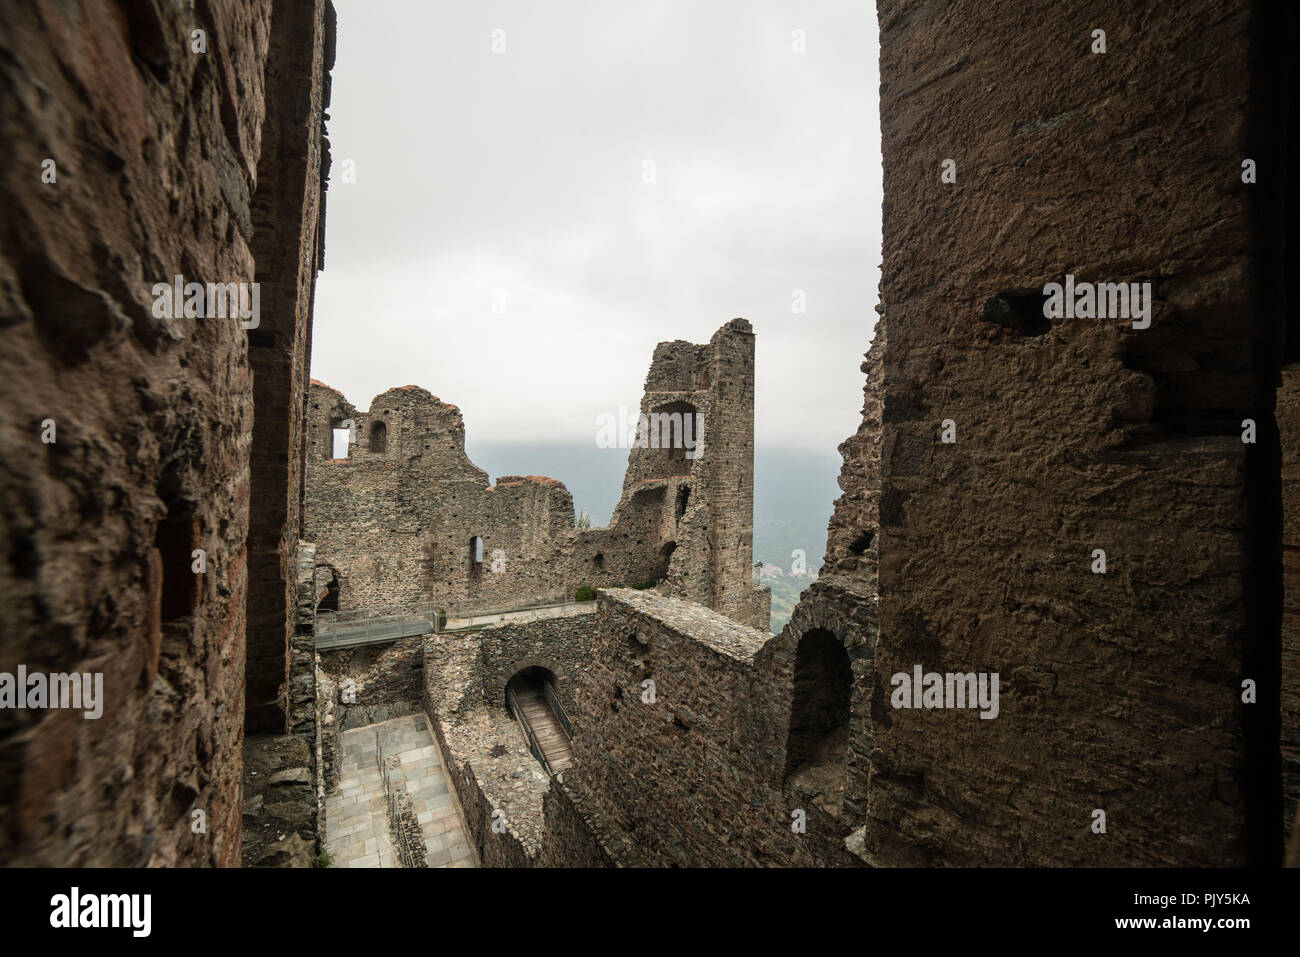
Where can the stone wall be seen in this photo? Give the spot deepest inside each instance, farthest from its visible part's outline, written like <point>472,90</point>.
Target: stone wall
<point>694,777</point>
<point>388,682</point>
<point>288,246</point>
<point>1120,690</point>
<point>131,160</point>
<point>396,522</point>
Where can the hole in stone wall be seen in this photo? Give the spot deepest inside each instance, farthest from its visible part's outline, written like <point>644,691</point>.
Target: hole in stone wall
<point>817,745</point>
<point>862,542</point>
<point>683,499</point>
<point>599,560</point>
<point>1020,312</point>
<point>379,437</point>
<point>328,589</point>
<point>176,538</point>
<point>674,430</point>
<point>340,443</point>
<point>475,556</point>
<point>664,557</point>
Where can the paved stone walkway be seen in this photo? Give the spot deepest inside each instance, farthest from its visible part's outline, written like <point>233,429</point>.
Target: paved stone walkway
<point>356,814</point>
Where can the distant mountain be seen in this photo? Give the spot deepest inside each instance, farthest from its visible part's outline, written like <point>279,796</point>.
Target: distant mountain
<point>793,493</point>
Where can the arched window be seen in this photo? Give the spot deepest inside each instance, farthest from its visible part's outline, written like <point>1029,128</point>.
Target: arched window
<point>379,437</point>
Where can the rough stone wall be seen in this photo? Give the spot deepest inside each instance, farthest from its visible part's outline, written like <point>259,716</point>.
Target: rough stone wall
<point>388,680</point>
<point>396,519</point>
<point>563,646</point>
<point>693,778</point>
<point>1119,691</point>
<point>157,152</point>
<point>303,708</point>
<point>280,808</point>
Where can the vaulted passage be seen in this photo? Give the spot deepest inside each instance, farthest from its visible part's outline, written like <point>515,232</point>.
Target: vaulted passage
<point>531,700</point>
<point>817,745</point>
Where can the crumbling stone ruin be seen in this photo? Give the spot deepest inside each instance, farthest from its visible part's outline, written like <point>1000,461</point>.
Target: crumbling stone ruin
<point>1076,510</point>
<point>408,518</point>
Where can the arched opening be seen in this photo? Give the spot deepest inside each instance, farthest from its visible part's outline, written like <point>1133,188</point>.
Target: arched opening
<point>663,559</point>
<point>531,699</point>
<point>818,742</point>
<point>599,561</point>
<point>328,589</point>
<point>379,437</point>
<point>674,429</point>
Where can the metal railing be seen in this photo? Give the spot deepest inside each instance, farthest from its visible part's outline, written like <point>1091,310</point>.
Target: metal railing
<point>361,627</point>
<point>345,629</point>
<point>553,700</point>
<point>474,608</point>
<point>533,746</point>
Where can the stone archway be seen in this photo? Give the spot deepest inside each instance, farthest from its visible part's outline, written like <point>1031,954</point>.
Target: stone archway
<point>817,741</point>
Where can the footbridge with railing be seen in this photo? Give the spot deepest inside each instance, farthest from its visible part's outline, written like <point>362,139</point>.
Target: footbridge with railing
<point>353,629</point>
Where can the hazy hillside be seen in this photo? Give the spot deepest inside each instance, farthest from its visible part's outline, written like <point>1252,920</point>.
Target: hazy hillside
<point>793,493</point>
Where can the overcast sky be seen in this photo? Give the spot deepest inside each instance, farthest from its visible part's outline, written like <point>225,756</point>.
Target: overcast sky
<point>501,247</point>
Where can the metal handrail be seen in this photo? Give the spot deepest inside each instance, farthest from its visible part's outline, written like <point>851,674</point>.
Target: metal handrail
<point>533,746</point>
<point>554,701</point>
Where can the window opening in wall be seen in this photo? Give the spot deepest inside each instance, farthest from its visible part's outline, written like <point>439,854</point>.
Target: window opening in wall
<point>379,437</point>
<point>818,740</point>
<point>176,539</point>
<point>340,443</point>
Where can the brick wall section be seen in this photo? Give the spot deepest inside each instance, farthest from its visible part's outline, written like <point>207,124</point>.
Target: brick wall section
<point>288,246</point>
<point>395,519</point>
<point>1119,691</point>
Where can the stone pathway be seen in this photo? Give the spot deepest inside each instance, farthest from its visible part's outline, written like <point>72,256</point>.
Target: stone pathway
<point>356,814</point>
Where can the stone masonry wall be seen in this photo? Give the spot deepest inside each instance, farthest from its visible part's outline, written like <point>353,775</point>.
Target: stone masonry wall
<point>693,778</point>
<point>1120,691</point>
<point>288,246</point>
<point>156,155</point>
